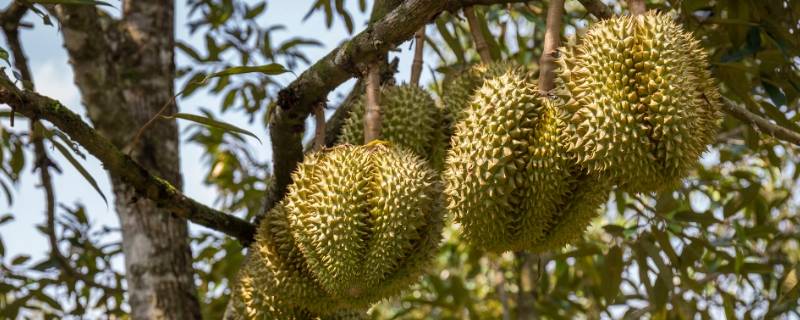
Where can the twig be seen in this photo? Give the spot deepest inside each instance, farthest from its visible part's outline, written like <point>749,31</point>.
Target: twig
<point>552,39</point>
<point>597,8</point>
<point>43,164</point>
<point>131,146</point>
<point>760,123</point>
<point>637,7</point>
<point>477,35</point>
<point>416,65</point>
<point>372,116</point>
<point>319,134</point>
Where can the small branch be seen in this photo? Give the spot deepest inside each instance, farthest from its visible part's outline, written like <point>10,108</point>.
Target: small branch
<point>166,196</point>
<point>372,115</point>
<point>760,123</point>
<point>416,65</point>
<point>477,35</point>
<point>552,39</point>
<point>637,7</point>
<point>43,164</point>
<point>597,8</point>
<point>319,134</point>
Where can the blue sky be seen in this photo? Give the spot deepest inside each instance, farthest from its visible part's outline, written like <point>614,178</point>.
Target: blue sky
<point>53,77</point>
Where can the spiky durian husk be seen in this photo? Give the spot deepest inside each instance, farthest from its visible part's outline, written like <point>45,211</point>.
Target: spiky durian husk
<point>410,119</point>
<point>458,92</point>
<point>358,225</point>
<point>644,106</point>
<point>510,183</point>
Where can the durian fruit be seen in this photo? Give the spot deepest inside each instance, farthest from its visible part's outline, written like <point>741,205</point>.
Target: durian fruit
<point>358,224</point>
<point>365,218</point>
<point>410,118</point>
<point>509,182</point>
<point>458,91</point>
<point>643,105</point>
<point>271,268</point>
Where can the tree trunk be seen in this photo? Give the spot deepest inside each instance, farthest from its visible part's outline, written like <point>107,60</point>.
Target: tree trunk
<point>125,71</point>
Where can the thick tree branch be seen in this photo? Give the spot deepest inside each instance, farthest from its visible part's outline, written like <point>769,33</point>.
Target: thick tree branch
<point>760,123</point>
<point>552,39</point>
<point>296,101</point>
<point>597,8</point>
<point>477,35</point>
<point>35,106</point>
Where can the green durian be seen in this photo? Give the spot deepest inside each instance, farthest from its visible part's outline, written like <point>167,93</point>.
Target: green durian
<point>509,182</point>
<point>410,118</point>
<point>458,91</point>
<point>358,224</point>
<point>643,105</point>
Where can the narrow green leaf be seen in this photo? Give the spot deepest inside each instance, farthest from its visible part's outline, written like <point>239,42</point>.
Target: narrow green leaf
<point>4,56</point>
<point>212,123</point>
<point>20,259</point>
<point>268,69</point>
<point>80,2</point>
<point>64,151</point>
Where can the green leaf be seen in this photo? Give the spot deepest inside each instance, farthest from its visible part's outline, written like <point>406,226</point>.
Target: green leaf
<point>212,123</point>
<point>64,151</point>
<point>80,2</point>
<point>20,259</point>
<point>4,56</point>
<point>268,69</point>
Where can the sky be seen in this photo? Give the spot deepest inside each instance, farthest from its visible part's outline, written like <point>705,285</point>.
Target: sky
<point>53,77</point>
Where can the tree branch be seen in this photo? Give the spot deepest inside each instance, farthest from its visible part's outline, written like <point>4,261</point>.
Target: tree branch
<point>319,133</point>
<point>43,164</point>
<point>36,106</point>
<point>10,19</point>
<point>296,101</point>
<point>552,39</point>
<point>477,35</point>
<point>760,123</point>
<point>597,8</point>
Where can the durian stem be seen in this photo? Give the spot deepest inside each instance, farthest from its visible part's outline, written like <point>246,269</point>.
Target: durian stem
<point>319,134</point>
<point>416,65</point>
<point>637,7</point>
<point>597,8</point>
<point>372,117</point>
<point>552,39</point>
<point>477,35</point>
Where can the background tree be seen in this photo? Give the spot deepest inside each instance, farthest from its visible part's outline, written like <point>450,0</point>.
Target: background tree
<point>724,243</point>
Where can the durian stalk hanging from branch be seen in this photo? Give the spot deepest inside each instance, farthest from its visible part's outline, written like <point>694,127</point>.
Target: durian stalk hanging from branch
<point>416,65</point>
<point>480,42</point>
<point>319,134</point>
<point>552,39</point>
<point>637,7</point>
<point>372,116</point>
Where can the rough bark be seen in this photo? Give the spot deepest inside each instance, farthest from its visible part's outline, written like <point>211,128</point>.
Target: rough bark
<point>552,39</point>
<point>125,71</point>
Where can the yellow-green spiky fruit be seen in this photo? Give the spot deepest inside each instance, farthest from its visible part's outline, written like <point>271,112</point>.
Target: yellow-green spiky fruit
<point>643,105</point>
<point>510,183</point>
<point>410,118</point>
<point>358,224</point>
<point>458,92</point>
